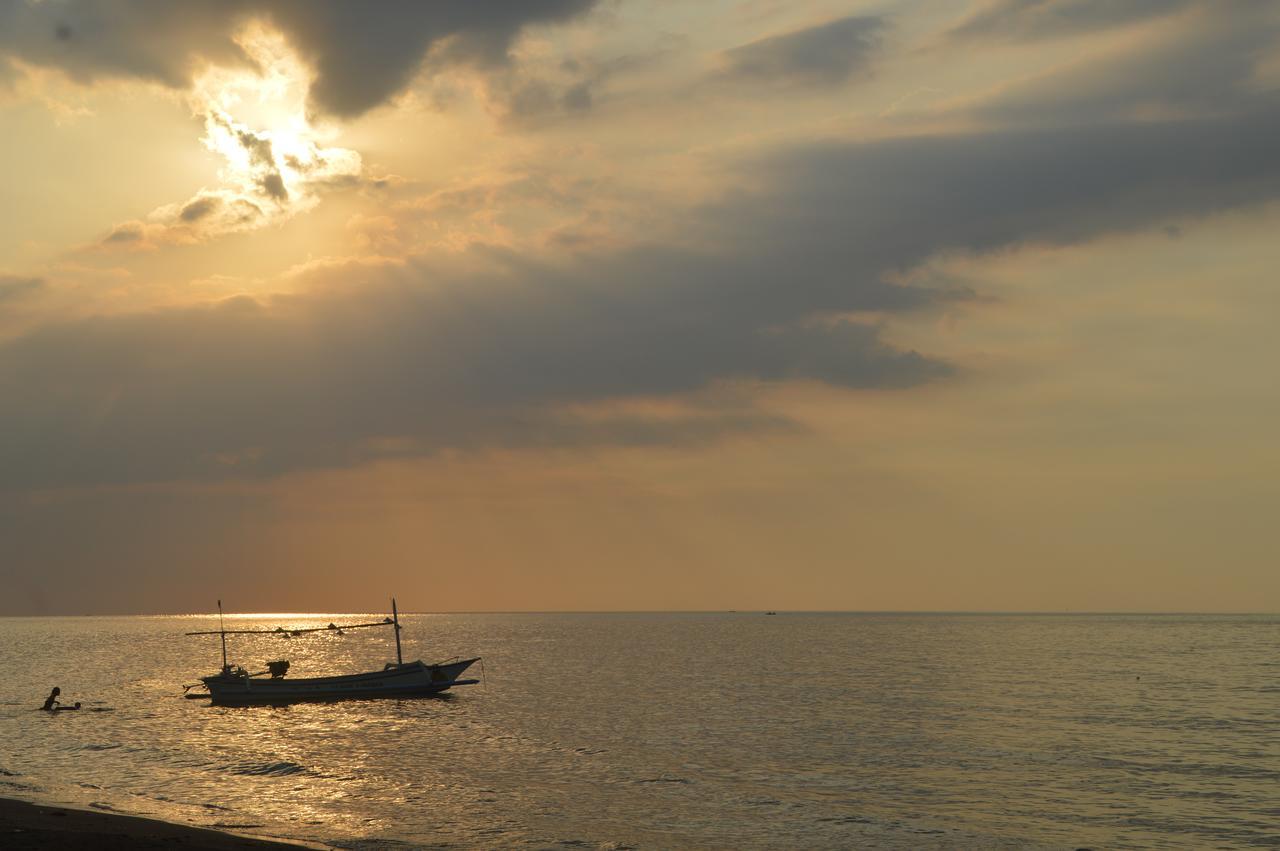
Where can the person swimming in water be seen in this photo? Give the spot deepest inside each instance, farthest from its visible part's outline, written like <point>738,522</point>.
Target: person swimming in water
<point>52,700</point>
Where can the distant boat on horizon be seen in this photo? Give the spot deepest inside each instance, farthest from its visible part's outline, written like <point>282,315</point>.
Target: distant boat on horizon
<point>235,685</point>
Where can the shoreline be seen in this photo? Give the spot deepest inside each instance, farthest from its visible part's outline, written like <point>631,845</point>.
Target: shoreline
<point>25,826</point>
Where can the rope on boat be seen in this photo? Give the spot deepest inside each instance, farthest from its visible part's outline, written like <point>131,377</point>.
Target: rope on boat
<point>281,631</point>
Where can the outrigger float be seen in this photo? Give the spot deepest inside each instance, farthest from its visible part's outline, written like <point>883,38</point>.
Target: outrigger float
<point>235,685</point>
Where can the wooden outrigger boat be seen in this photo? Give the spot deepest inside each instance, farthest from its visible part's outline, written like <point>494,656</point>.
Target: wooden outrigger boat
<point>235,685</point>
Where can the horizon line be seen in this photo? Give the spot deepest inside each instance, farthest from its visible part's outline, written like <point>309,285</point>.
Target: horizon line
<point>1041,612</point>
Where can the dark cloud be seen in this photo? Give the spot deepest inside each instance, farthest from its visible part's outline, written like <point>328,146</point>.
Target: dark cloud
<point>907,198</point>
<point>210,214</point>
<point>570,87</point>
<point>498,349</point>
<point>577,98</point>
<point>200,208</point>
<point>825,54</point>
<point>362,53</point>
<point>14,288</point>
<point>256,145</point>
<point>440,357</point>
<point>124,234</point>
<point>365,53</point>
<point>1023,20</point>
<point>7,75</point>
<point>149,39</point>
<point>1206,65</point>
<point>273,185</point>
<point>532,98</point>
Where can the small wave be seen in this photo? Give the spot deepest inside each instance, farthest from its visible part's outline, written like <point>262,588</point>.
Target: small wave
<point>98,805</point>
<point>88,785</point>
<point>847,820</point>
<point>272,769</point>
<point>18,787</point>
<point>381,844</point>
<point>216,807</point>
<point>4,773</point>
<point>664,779</point>
<point>1235,770</point>
<point>108,747</point>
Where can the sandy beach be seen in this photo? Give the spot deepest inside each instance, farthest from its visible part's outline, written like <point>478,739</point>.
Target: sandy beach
<point>34,826</point>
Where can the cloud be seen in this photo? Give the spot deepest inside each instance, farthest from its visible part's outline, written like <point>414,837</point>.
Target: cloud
<point>494,353</point>
<point>1030,20</point>
<point>346,56</point>
<point>539,86</point>
<point>211,213</point>
<point>268,175</point>
<point>365,53</point>
<point>8,74</point>
<point>987,190</point>
<point>826,54</point>
<point>1204,61</point>
<point>20,299</point>
<point>490,348</point>
<point>127,234</point>
<point>146,39</point>
<point>272,186</point>
<point>201,207</point>
<point>362,54</point>
<point>14,288</point>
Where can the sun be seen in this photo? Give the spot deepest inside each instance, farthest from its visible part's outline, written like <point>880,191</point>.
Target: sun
<point>276,161</point>
<point>257,121</point>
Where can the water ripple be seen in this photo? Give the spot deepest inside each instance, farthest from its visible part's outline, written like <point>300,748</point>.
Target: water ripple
<point>809,731</point>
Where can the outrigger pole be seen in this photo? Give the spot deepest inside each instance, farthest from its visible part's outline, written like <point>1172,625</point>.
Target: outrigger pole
<point>222,630</point>
<point>395,619</point>
<point>337,627</point>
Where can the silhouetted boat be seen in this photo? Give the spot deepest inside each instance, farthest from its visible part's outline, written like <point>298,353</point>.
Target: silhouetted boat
<point>234,684</point>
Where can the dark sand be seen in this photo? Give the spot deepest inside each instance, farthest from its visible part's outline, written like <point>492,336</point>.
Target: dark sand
<point>33,826</point>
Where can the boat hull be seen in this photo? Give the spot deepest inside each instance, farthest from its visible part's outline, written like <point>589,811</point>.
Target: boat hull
<point>412,679</point>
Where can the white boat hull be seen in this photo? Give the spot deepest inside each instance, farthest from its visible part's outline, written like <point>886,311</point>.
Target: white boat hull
<point>412,679</point>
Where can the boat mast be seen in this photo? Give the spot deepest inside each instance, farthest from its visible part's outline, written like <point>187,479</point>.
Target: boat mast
<point>395,619</point>
<point>222,630</point>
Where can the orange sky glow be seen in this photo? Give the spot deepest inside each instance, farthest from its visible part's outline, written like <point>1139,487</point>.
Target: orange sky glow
<point>566,304</point>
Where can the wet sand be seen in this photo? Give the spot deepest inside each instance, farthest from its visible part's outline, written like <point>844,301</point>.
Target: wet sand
<point>34,826</point>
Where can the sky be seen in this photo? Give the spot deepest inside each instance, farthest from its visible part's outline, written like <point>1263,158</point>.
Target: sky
<point>639,304</point>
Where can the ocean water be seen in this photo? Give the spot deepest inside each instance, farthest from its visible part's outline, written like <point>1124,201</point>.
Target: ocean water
<point>711,730</point>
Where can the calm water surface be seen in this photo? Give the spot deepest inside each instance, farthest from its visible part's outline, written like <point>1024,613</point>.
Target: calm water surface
<point>730,730</point>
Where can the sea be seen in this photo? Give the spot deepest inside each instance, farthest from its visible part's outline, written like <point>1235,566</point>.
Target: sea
<point>732,730</point>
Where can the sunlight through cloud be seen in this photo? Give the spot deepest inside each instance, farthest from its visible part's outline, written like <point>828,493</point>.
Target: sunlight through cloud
<point>276,164</point>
